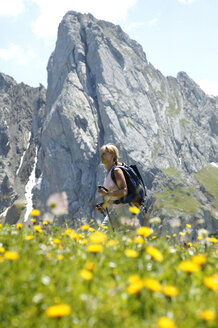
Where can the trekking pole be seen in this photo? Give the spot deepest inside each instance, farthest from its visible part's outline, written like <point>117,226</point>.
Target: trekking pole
<point>109,218</point>
<point>146,216</point>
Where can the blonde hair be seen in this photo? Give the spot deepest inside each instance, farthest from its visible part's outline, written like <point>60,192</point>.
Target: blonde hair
<point>112,150</point>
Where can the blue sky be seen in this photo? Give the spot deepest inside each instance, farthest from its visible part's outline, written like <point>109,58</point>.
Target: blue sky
<point>176,35</point>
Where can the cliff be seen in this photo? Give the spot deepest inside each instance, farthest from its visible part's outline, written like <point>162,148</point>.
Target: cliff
<point>102,89</point>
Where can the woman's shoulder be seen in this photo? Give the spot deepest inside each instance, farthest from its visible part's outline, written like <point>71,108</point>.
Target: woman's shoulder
<point>117,170</point>
<point>117,166</point>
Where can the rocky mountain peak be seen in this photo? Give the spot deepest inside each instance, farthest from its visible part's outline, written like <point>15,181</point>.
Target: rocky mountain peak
<point>102,89</point>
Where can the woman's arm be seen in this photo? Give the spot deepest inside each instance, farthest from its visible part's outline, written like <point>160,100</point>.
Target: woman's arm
<point>121,184</point>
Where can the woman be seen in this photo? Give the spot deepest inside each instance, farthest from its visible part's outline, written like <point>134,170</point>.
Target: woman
<point>112,191</point>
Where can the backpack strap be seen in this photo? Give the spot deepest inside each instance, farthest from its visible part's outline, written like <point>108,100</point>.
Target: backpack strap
<point>122,199</point>
<point>134,167</point>
<point>112,172</point>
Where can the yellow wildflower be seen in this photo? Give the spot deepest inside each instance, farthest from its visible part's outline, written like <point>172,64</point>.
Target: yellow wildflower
<point>91,229</point>
<point>74,235</point>
<point>164,322</point>
<point>45,222</point>
<point>155,253</point>
<point>152,285</point>
<point>199,237</point>
<point>112,243</point>
<point>105,228</point>
<point>211,282</point>
<point>56,241</point>
<point>188,225</point>
<point>86,274</point>
<point>170,291</point>
<point>182,233</point>
<point>94,248</point>
<point>33,220</point>
<point>29,237</point>
<point>189,266</point>
<point>207,315</point>
<point>2,249</point>
<point>1,259</point>
<point>199,259</point>
<point>35,212</point>
<point>19,225</point>
<point>60,257</point>
<point>135,287</point>
<point>134,209</point>
<point>154,237</point>
<point>90,266</point>
<point>174,235</point>
<point>168,236</point>
<point>144,231</point>
<point>133,278</point>
<point>131,253</point>
<point>98,237</point>
<point>212,240</point>
<point>11,255</point>
<point>0,225</point>
<point>68,231</point>
<point>84,241</point>
<point>38,228</point>
<point>85,227</point>
<point>139,240</point>
<point>58,311</point>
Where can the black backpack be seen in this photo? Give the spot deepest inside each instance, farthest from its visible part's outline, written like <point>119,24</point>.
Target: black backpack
<point>136,188</point>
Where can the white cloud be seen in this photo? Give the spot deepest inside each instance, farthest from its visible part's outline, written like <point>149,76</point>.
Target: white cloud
<point>153,21</point>
<point>187,2</point>
<point>136,25</point>
<point>11,7</point>
<point>209,87</point>
<point>15,52</point>
<point>52,11</point>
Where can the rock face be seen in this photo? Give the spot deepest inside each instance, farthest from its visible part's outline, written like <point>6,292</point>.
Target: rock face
<point>102,89</point>
<point>21,112</point>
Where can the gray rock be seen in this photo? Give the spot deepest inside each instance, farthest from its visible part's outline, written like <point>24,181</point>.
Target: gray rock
<point>102,89</point>
<point>21,115</point>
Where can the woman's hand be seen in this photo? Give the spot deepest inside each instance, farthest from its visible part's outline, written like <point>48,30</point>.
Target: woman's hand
<point>100,208</point>
<point>102,191</point>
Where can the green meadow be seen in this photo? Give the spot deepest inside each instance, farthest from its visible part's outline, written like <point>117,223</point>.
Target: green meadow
<point>60,277</point>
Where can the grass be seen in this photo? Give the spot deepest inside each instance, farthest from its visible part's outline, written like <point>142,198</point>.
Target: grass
<point>108,288</point>
<point>180,199</point>
<point>208,178</point>
<point>172,172</point>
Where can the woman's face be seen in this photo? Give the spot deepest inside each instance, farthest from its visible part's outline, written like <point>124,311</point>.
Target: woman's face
<point>106,156</point>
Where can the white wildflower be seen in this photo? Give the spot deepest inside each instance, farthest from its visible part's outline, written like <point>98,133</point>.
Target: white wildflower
<point>202,233</point>
<point>155,220</point>
<point>58,203</point>
<point>175,223</point>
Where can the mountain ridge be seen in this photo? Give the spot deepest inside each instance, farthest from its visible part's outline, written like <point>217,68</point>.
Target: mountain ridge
<point>101,89</point>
